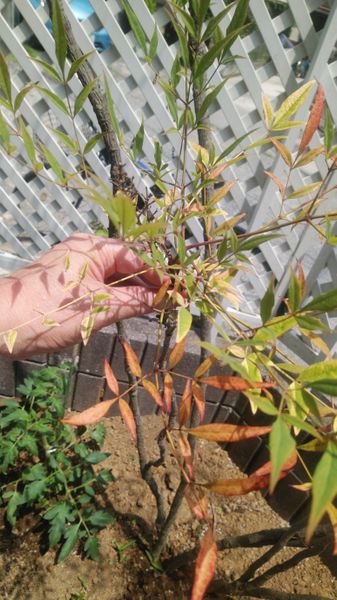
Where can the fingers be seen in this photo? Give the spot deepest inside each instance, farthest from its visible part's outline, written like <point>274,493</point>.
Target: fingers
<point>124,303</point>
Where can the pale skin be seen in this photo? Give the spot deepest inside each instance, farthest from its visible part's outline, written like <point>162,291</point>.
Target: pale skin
<point>44,292</point>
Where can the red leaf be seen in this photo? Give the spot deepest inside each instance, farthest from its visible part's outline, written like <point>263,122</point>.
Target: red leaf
<point>128,418</point>
<point>314,119</point>
<point>238,487</point>
<point>199,399</point>
<point>205,566</point>
<point>185,404</point>
<point>186,453</point>
<point>226,432</point>
<point>168,391</point>
<point>232,382</point>
<point>131,358</point>
<point>177,353</point>
<point>154,392</point>
<point>110,378</point>
<point>91,415</point>
<point>198,505</point>
<point>266,468</point>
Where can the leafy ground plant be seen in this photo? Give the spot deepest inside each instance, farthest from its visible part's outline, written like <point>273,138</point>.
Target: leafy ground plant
<point>202,278</point>
<point>48,469</point>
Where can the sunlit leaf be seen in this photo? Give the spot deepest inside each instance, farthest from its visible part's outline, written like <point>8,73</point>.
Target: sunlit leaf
<point>205,366</point>
<point>110,377</point>
<point>197,502</point>
<point>267,111</point>
<point>186,453</point>
<point>87,324</point>
<point>128,418</point>
<point>277,182</point>
<point>160,295</point>
<point>283,150</point>
<point>226,432</point>
<point>282,446</point>
<point>309,156</point>
<point>177,353</point>
<point>305,190</point>
<point>232,382</point>
<point>185,403</point>
<point>205,566</point>
<point>332,512</point>
<point>238,487</point>
<point>168,392</point>
<point>324,303</point>
<point>324,487</point>
<point>90,415</point>
<point>9,339</point>
<point>291,104</point>
<point>326,369</point>
<point>154,392</point>
<point>199,399</point>
<point>131,358</point>
<point>184,323</point>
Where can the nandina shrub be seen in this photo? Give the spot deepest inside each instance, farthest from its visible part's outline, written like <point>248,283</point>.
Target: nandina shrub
<point>203,274</point>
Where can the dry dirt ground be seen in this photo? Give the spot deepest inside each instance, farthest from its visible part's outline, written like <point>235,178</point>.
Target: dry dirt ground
<point>26,575</point>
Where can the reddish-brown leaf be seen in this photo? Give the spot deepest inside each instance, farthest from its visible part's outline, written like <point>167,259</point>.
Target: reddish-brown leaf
<point>283,150</point>
<point>266,468</point>
<point>177,353</point>
<point>154,392</point>
<point>160,295</point>
<point>226,432</point>
<point>205,565</point>
<point>91,415</point>
<point>204,366</point>
<point>128,418</point>
<point>131,358</point>
<point>110,378</point>
<point>197,502</point>
<point>233,382</point>
<point>238,487</point>
<point>186,453</point>
<point>168,392</point>
<point>199,399</point>
<point>277,182</point>
<point>314,119</point>
<point>301,278</point>
<point>185,404</point>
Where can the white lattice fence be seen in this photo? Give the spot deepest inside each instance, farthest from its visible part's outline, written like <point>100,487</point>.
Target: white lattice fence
<point>35,213</point>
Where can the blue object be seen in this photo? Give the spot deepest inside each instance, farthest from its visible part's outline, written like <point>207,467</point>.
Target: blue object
<point>82,9</point>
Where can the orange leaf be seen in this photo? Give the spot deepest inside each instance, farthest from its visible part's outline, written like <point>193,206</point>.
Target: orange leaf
<point>197,503</point>
<point>205,366</point>
<point>168,391</point>
<point>128,418</point>
<point>232,382</point>
<point>332,512</point>
<point>199,399</point>
<point>160,295</point>
<point>91,415</point>
<point>131,358</point>
<point>314,119</point>
<point>238,487</point>
<point>110,378</point>
<point>277,182</point>
<point>186,453</point>
<point>154,392</point>
<point>301,278</point>
<point>266,468</point>
<point>217,170</point>
<point>226,432</point>
<point>177,353</point>
<point>283,150</point>
<point>205,566</point>
<point>185,404</point>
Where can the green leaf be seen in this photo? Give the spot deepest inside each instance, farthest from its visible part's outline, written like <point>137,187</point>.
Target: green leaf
<point>34,490</point>
<point>151,230</point>
<point>49,68</point>
<point>67,140</point>
<point>54,98</point>
<point>186,19</point>
<point>138,141</point>
<point>59,34</point>
<point>83,95</point>
<point>329,130</point>
<point>324,303</point>
<point>324,487</point>
<point>282,446</point>
<point>101,518</point>
<point>36,472</point>
<point>267,111</point>
<point>72,536</point>
<point>124,212</point>
<point>153,44</point>
<point>209,99</point>
<point>184,323</point>
<point>158,154</point>
<point>299,424</point>
<point>55,165</point>
<point>267,302</point>
<point>240,16</point>
<point>175,74</point>
<point>15,501</point>
<point>294,293</point>
<point>135,26</point>
<point>55,532</point>
<point>92,142</point>
<point>105,476</point>
<point>293,103</point>
<point>274,329</point>
<point>326,386</point>
<point>213,23</point>
<point>4,132</point>
<point>91,548</point>
<point>76,65</point>
<point>216,52</point>
<point>172,106</point>
<point>111,109</point>
<point>96,457</point>
<point>182,38</point>
<point>21,95</point>
<point>311,323</point>
<point>256,240</point>
<point>5,80</point>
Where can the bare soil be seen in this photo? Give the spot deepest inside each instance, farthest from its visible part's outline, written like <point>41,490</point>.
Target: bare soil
<point>25,574</point>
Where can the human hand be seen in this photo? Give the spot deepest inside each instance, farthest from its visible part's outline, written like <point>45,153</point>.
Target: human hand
<point>61,287</point>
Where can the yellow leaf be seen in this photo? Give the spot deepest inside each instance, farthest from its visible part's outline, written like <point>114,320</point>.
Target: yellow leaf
<point>292,103</point>
<point>267,111</point>
<point>10,338</point>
